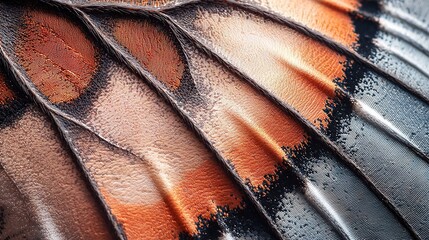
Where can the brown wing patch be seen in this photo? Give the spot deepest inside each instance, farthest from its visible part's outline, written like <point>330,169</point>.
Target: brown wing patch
<point>153,48</point>
<point>6,94</point>
<point>57,56</point>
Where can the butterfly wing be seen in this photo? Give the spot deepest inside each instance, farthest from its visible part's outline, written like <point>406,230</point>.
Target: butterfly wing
<point>236,119</point>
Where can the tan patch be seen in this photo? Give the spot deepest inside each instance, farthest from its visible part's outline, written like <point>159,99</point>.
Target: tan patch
<point>169,180</point>
<point>33,156</point>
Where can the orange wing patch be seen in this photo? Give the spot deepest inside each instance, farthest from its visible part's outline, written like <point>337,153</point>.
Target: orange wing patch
<point>258,150</point>
<point>199,194</point>
<point>153,48</point>
<point>57,56</point>
<point>326,16</point>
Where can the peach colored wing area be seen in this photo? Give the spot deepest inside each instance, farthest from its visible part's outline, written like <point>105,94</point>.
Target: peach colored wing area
<point>295,68</point>
<point>6,95</point>
<point>58,199</point>
<point>245,126</point>
<point>153,49</point>
<point>56,54</point>
<point>156,183</point>
<point>329,17</point>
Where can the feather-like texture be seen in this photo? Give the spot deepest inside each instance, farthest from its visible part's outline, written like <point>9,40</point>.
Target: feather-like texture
<point>247,119</point>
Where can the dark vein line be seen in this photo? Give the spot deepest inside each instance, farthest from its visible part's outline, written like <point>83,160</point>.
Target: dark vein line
<point>313,200</point>
<point>323,211</point>
<point>351,54</point>
<point>2,168</point>
<point>31,91</point>
<point>304,122</point>
<point>144,74</point>
<point>158,182</point>
<point>327,41</point>
<point>400,35</point>
<point>403,58</point>
<point>55,113</point>
<point>29,209</point>
<point>124,8</point>
<point>119,232</point>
